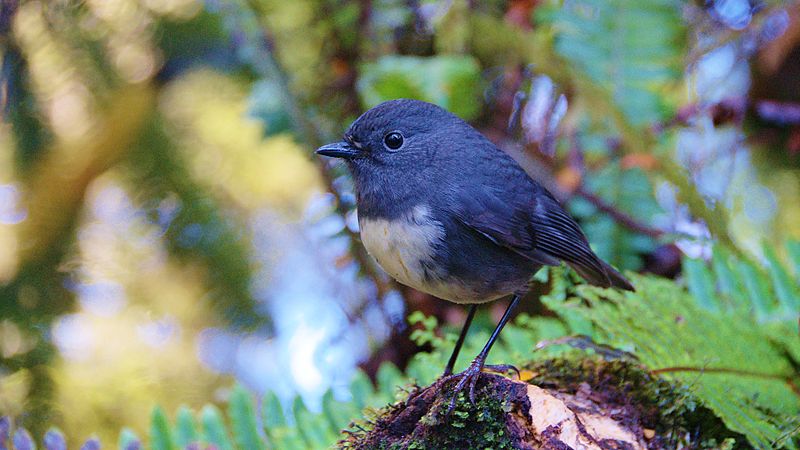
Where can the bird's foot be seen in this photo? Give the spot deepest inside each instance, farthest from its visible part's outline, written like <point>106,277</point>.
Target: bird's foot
<point>469,378</point>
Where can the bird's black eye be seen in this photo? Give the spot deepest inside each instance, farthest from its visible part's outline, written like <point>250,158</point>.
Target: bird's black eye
<point>393,140</point>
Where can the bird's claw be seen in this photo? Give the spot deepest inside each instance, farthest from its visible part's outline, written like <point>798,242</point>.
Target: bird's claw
<point>468,377</point>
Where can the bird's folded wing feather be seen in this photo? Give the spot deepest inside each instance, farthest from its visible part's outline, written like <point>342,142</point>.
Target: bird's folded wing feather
<point>537,227</point>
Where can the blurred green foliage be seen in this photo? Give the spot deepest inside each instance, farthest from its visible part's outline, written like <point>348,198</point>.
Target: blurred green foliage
<point>634,50</point>
<point>632,192</point>
<point>452,82</point>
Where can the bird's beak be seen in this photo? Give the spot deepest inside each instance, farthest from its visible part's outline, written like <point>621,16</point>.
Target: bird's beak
<point>338,150</point>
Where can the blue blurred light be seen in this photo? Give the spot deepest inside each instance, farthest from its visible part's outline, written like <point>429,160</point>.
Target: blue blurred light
<point>10,212</point>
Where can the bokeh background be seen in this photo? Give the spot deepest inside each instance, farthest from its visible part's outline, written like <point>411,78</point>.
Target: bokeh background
<point>165,228</point>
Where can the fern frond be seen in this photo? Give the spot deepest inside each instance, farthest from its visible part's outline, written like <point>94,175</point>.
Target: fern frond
<point>738,355</point>
<point>631,49</point>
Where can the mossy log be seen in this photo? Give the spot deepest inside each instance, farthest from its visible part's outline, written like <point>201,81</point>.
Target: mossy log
<point>563,404</point>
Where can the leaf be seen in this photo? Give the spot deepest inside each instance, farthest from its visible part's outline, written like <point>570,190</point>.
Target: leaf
<point>757,288</point>
<point>793,248</point>
<point>362,390</point>
<point>214,431</point>
<point>185,428</point>
<point>315,429</point>
<point>728,279</point>
<point>160,435</point>
<point>698,277</point>
<point>280,435</point>
<point>267,105</point>
<point>450,81</point>
<point>633,50</point>
<point>243,420</point>
<point>785,288</point>
<point>339,414</point>
<point>128,440</point>
<point>389,378</point>
<point>740,366</point>
<point>54,440</point>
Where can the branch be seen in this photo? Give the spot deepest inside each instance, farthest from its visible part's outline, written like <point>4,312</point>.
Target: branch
<point>618,215</point>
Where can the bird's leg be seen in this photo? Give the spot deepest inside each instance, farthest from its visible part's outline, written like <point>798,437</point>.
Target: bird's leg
<point>471,375</point>
<point>450,364</point>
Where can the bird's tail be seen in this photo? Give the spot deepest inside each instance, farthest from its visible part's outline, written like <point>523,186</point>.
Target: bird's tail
<point>602,274</point>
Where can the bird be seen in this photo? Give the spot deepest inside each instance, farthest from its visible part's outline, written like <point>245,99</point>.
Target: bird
<point>445,211</point>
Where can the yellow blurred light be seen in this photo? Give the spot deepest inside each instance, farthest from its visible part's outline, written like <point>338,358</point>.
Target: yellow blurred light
<point>227,150</point>
<point>69,112</point>
<point>135,62</point>
<point>13,390</point>
<point>179,9</point>
<point>111,10</point>
<point>10,339</point>
<point>28,23</point>
<point>8,232</point>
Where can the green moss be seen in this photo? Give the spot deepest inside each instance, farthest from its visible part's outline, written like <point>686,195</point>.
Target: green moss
<point>423,421</point>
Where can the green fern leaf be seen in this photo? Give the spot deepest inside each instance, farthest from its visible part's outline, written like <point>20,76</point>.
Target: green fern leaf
<point>785,289</point>
<point>389,378</point>
<point>339,414</point>
<point>631,49</point>
<point>214,430</point>
<point>609,239</point>
<point>128,439</point>
<point>185,428</point>
<point>243,420</point>
<point>280,434</point>
<point>793,248</point>
<point>362,390</point>
<point>742,369</point>
<point>160,435</point>
<point>450,81</point>
<point>314,428</point>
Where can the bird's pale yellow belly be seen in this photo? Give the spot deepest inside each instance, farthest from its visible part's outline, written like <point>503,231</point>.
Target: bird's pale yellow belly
<point>404,245</point>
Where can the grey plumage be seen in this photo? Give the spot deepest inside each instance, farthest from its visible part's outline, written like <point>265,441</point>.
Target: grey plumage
<point>484,225</point>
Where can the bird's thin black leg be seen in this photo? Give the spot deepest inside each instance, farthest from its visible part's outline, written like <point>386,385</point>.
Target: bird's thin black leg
<point>506,316</point>
<point>450,364</point>
<point>471,375</point>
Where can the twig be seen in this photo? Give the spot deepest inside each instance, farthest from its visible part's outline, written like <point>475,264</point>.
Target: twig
<point>620,217</point>
<point>615,213</point>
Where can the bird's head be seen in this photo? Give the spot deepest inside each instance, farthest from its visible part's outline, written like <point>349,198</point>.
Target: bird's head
<point>395,133</point>
<point>402,149</point>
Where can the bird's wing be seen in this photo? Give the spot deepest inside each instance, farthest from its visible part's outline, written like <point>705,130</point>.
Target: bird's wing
<point>533,224</point>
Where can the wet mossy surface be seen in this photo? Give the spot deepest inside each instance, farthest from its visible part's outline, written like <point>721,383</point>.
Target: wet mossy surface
<point>662,415</point>
<point>423,421</point>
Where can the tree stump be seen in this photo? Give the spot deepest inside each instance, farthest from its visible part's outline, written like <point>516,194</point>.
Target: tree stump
<point>583,404</point>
